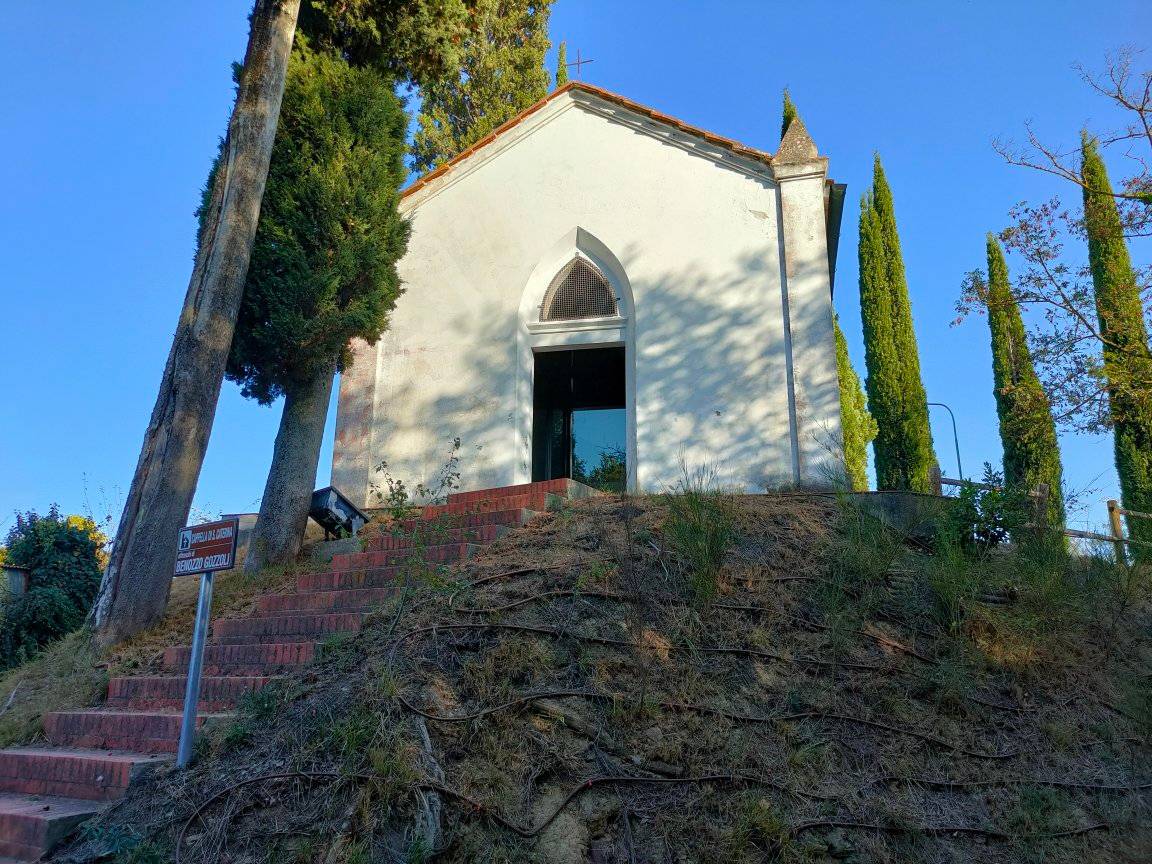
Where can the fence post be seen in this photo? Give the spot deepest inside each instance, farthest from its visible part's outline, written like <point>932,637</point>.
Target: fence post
<point>1117,532</point>
<point>934,480</point>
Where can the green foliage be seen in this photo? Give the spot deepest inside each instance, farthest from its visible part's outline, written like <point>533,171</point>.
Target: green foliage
<point>501,73</point>
<point>65,556</point>
<point>988,514</point>
<point>402,501</point>
<point>1127,356</point>
<point>609,475</point>
<point>120,844</point>
<point>896,397</point>
<point>856,425</point>
<point>699,528</point>
<point>1027,430</point>
<point>561,65</point>
<point>790,113</point>
<point>323,267</point>
<point>417,41</point>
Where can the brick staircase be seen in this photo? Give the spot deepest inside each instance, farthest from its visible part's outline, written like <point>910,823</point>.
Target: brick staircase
<point>93,755</point>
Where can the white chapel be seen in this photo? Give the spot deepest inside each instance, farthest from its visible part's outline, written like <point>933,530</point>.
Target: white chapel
<point>597,282</point>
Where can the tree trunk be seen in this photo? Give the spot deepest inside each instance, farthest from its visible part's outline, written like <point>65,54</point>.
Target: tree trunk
<point>134,590</point>
<point>288,492</point>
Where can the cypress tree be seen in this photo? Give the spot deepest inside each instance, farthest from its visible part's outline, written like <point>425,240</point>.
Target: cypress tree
<point>323,267</point>
<point>896,397</point>
<point>1027,430</point>
<point>562,65</point>
<point>790,113</point>
<point>501,74</point>
<point>1127,358</point>
<point>856,424</point>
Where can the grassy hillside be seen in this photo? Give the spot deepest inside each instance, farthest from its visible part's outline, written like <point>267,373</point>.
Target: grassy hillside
<point>71,673</point>
<point>695,678</point>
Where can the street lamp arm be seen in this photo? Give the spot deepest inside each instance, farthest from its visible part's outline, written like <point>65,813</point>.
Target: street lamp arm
<point>955,436</point>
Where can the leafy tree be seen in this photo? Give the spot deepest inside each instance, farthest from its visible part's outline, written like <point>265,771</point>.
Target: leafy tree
<point>610,473</point>
<point>64,556</point>
<point>856,424</point>
<point>419,36</point>
<point>323,268</point>
<point>561,65</point>
<point>502,73</point>
<point>896,397</point>
<point>1027,430</point>
<point>1066,342</point>
<point>1124,335</point>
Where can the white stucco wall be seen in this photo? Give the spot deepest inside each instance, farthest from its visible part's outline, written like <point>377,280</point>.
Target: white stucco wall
<point>704,242</point>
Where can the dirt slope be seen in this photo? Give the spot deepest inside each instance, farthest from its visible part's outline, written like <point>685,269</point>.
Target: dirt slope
<point>708,680</point>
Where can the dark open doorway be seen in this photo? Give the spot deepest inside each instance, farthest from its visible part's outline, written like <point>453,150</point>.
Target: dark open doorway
<point>579,418</point>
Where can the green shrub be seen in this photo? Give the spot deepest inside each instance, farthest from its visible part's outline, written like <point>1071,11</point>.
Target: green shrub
<point>699,528</point>
<point>64,556</point>
<point>985,518</point>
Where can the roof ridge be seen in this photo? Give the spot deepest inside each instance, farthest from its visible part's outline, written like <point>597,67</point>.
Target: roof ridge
<point>730,144</point>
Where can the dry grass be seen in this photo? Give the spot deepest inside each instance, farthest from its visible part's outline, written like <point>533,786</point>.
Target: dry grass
<point>569,696</point>
<point>67,674</point>
<point>72,674</point>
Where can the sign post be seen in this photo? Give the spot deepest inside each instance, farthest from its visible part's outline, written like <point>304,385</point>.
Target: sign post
<point>202,549</point>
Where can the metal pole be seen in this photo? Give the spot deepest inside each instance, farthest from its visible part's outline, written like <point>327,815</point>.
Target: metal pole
<point>195,663</point>
<point>955,436</point>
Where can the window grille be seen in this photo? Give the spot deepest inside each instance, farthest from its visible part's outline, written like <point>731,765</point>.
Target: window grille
<point>578,291</point>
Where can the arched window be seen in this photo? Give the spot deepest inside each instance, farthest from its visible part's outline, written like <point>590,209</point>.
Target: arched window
<point>578,291</point>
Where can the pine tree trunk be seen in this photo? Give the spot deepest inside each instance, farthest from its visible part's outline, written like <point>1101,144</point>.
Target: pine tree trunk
<point>288,491</point>
<point>134,590</point>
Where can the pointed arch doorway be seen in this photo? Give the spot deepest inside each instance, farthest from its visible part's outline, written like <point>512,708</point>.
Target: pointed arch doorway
<point>577,408</point>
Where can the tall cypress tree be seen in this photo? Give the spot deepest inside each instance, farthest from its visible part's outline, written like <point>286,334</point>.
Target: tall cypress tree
<point>562,65</point>
<point>896,397</point>
<point>1127,358</point>
<point>856,425</point>
<point>1027,430</point>
<point>502,74</point>
<point>323,267</point>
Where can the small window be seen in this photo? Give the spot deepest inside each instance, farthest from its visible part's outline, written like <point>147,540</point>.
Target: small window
<point>578,291</point>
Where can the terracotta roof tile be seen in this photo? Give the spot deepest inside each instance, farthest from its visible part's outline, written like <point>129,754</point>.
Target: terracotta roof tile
<point>720,141</point>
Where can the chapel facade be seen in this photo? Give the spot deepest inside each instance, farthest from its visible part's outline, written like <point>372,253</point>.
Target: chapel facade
<point>601,291</point>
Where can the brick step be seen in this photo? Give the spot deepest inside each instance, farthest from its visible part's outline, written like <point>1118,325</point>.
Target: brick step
<point>428,533</point>
<point>352,580</point>
<point>528,501</point>
<point>258,659</point>
<point>166,692</point>
<point>563,487</point>
<point>32,825</point>
<point>93,775</point>
<point>285,628</point>
<point>140,731</point>
<point>346,600</point>
<point>513,517</point>
<point>445,553</point>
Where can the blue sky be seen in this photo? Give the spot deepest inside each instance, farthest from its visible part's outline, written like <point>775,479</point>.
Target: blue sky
<point>112,112</point>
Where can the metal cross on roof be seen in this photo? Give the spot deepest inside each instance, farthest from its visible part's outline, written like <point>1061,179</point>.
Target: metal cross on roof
<point>578,62</point>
